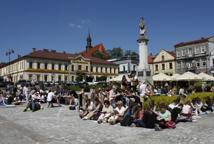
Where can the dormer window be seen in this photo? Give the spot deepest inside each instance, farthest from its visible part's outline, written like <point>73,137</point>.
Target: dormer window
<point>162,58</point>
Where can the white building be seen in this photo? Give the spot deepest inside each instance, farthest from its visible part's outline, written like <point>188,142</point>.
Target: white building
<point>196,56</point>
<point>126,65</point>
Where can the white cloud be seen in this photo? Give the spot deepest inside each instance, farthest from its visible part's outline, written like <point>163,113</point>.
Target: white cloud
<point>73,25</point>
<point>81,24</point>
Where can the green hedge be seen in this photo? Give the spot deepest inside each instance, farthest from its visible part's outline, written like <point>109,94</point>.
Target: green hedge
<point>73,87</point>
<point>167,100</point>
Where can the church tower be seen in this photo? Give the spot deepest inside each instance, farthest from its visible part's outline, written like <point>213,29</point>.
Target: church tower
<point>89,45</point>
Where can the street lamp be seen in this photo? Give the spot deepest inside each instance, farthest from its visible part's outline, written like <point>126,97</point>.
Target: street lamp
<point>8,53</point>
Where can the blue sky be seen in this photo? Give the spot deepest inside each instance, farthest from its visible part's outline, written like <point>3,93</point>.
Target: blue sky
<point>63,24</point>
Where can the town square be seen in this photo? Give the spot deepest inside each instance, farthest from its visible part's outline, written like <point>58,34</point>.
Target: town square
<point>106,72</point>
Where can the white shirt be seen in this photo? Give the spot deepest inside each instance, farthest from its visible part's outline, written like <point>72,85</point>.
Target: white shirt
<point>186,109</point>
<point>142,89</point>
<point>121,111</point>
<point>50,96</point>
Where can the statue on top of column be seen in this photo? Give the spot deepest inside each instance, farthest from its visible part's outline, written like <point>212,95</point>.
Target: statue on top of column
<point>142,27</point>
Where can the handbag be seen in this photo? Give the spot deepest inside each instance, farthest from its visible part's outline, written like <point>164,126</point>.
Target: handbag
<point>170,124</point>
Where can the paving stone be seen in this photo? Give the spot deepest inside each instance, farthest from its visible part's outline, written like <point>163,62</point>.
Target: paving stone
<point>60,125</point>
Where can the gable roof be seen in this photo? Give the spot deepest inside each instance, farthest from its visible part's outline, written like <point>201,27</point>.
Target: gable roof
<point>95,60</point>
<point>51,55</point>
<point>91,51</point>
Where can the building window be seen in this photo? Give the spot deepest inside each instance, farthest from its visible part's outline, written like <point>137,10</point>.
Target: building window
<point>38,77</point>
<point>91,68</point>
<point>162,58</point>
<point>213,61</point>
<point>86,68</point>
<point>178,53</point>
<point>183,52</point>
<point>52,66</point>
<point>203,49</point>
<point>46,66</point>
<point>156,67</point>
<point>38,65</point>
<point>59,78</point>
<point>115,70</point>
<point>106,69</point>
<point>30,76</point>
<point>96,69</point>
<point>66,67</point>
<point>204,63</point>
<point>72,78</point>
<point>198,64</point>
<point>170,66</point>
<point>60,66</point>
<point>134,67</point>
<point>66,78</point>
<point>163,66</point>
<point>46,78</point>
<point>101,69</point>
<point>30,65</point>
<point>124,68</point>
<point>72,67</point>
<point>79,67</point>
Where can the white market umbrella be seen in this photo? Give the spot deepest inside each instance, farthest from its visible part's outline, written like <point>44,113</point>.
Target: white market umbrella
<point>189,76</point>
<point>161,77</point>
<point>174,76</point>
<point>206,77</point>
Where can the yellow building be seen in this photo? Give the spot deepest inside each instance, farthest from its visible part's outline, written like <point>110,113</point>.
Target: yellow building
<point>164,62</point>
<point>91,68</point>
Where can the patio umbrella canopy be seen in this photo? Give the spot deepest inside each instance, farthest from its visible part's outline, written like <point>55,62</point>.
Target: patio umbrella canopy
<point>174,77</point>
<point>189,76</point>
<point>206,77</point>
<point>161,77</point>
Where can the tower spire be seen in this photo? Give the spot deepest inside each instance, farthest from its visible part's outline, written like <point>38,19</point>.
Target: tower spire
<point>89,40</point>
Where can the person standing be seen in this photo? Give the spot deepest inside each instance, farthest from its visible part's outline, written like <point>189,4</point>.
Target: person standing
<point>142,90</point>
<point>50,98</point>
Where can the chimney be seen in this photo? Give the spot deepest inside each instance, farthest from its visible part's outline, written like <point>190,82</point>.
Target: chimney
<point>53,51</point>
<point>19,56</point>
<point>34,49</point>
<point>46,50</point>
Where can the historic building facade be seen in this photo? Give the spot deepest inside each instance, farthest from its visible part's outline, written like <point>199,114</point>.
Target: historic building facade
<point>196,56</point>
<point>39,65</point>
<point>53,66</point>
<point>126,65</point>
<point>164,62</point>
<point>91,68</point>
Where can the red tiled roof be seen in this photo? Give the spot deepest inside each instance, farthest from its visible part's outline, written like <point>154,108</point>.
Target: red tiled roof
<point>172,53</point>
<point>99,61</point>
<point>202,40</point>
<point>90,51</point>
<point>48,54</point>
<point>150,59</point>
<point>2,65</point>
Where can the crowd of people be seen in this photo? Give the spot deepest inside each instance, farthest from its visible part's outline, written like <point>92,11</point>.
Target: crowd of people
<point>122,105</point>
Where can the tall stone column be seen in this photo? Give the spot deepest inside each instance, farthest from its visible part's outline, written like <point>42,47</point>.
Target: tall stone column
<point>144,73</point>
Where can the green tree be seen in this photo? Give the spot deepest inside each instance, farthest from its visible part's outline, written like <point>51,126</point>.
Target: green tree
<point>98,54</point>
<point>79,78</point>
<point>116,52</point>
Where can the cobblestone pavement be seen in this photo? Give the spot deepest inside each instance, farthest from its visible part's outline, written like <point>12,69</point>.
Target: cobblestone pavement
<point>62,126</point>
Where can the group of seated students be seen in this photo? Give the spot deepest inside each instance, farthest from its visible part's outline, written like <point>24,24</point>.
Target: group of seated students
<point>127,110</point>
